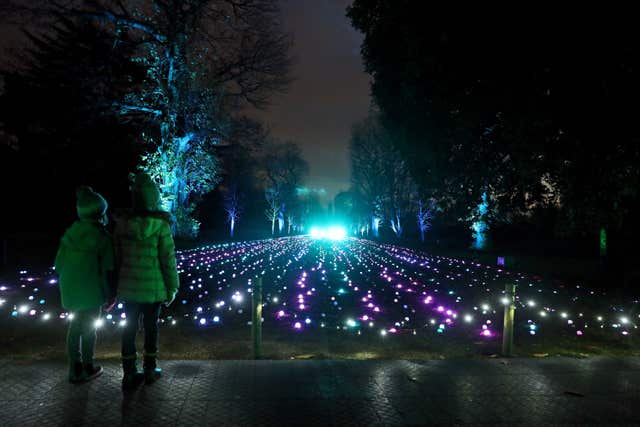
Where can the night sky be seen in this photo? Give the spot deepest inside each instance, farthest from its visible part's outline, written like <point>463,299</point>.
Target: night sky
<point>330,93</point>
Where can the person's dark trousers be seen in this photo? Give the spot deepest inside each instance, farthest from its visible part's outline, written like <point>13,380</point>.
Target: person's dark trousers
<point>150,314</point>
<point>81,335</point>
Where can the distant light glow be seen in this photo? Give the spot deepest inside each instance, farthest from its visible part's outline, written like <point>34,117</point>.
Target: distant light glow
<point>334,232</point>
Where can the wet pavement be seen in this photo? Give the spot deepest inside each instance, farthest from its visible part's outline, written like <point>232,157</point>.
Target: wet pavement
<point>550,391</point>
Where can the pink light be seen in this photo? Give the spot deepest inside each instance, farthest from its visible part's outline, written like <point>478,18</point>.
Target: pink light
<point>486,333</point>
<point>440,309</point>
<point>281,313</point>
<point>298,325</point>
<point>393,330</point>
<point>579,333</point>
<point>376,309</point>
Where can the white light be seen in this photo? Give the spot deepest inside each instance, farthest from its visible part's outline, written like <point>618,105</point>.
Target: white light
<point>274,299</point>
<point>316,233</point>
<point>468,318</point>
<point>336,233</point>
<point>624,320</point>
<point>23,309</point>
<point>543,314</point>
<point>564,315</point>
<point>383,332</point>
<point>485,307</point>
<point>531,303</point>
<point>505,300</point>
<point>123,323</point>
<point>2,301</point>
<point>46,316</point>
<point>98,323</point>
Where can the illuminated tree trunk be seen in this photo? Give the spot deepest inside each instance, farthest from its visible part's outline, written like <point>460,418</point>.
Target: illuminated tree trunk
<point>604,264</point>
<point>375,222</point>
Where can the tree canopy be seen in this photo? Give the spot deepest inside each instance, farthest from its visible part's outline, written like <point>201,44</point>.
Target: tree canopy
<point>536,109</point>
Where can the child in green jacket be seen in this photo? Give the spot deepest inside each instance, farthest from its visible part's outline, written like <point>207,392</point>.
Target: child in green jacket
<point>85,265</point>
<point>147,276</point>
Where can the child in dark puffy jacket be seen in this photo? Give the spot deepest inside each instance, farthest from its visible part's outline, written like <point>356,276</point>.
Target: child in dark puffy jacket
<point>85,265</point>
<point>147,276</point>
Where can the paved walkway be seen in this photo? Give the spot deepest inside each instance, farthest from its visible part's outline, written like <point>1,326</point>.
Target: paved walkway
<point>327,392</point>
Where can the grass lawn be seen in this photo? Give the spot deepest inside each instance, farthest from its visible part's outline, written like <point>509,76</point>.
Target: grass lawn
<point>22,340</point>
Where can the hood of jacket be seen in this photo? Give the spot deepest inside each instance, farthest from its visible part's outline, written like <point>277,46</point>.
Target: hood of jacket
<point>140,226</point>
<point>83,235</point>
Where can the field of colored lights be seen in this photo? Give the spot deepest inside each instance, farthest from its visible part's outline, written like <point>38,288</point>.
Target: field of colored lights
<point>355,288</point>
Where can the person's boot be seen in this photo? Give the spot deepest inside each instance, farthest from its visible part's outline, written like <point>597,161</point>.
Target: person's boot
<point>76,373</point>
<point>92,371</point>
<point>151,371</point>
<point>132,377</point>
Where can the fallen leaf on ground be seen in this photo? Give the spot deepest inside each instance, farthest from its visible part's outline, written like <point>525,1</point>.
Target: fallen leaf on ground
<point>540,354</point>
<point>303,356</point>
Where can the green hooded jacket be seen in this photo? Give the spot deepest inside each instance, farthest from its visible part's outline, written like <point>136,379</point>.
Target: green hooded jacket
<point>145,256</point>
<point>84,259</point>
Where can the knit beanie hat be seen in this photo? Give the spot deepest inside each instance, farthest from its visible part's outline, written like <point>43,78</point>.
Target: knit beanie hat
<point>145,192</point>
<point>89,204</point>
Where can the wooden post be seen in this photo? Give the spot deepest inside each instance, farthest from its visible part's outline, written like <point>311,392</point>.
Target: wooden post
<point>256,318</point>
<point>509,314</point>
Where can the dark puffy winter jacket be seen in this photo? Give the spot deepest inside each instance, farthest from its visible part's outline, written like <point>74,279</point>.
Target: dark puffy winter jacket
<point>145,257</point>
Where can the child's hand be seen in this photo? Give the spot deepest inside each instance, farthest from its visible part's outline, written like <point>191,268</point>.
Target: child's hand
<point>172,297</point>
<point>110,304</point>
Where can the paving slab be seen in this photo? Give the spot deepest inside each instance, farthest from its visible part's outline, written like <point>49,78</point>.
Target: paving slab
<point>553,391</point>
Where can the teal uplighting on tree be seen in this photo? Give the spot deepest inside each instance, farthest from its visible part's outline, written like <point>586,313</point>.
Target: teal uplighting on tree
<point>480,224</point>
<point>202,62</point>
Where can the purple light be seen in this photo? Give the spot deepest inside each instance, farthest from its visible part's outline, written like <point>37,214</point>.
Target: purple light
<point>440,309</point>
<point>487,333</point>
<point>297,325</point>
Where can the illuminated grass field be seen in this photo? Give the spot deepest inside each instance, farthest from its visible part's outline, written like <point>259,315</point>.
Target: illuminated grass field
<point>342,298</point>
